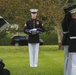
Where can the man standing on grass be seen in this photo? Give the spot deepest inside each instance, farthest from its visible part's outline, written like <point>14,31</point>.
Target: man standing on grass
<point>66,39</point>
<point>72,44</point>
<point>33,28</point>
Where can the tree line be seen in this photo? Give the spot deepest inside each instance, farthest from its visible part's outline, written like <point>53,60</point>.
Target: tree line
<point>50,12</point>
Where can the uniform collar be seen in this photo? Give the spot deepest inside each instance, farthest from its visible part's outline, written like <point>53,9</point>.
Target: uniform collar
<point>33,19</point>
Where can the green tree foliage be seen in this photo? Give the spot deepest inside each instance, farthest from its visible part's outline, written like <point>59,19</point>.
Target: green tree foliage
<point>14,11</point>
<point>17,11</point>
<point>50,12</point>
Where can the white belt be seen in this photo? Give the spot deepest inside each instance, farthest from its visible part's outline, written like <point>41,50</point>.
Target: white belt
<point>72,37</point>
<point>65,32</point>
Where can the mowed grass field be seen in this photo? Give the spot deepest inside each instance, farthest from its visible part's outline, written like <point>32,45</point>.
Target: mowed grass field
<point>16,59</point>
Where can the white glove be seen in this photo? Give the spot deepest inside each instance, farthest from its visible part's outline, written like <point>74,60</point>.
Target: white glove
<point>33,31</point>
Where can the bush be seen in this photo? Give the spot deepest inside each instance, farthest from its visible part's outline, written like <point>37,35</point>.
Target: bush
<point>5,39</point>
<point>49,39</point>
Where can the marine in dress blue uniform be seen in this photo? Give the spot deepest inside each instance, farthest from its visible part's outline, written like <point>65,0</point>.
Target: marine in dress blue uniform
<point>33,28</point>
<point>66,39</point>
<point>72,44</point>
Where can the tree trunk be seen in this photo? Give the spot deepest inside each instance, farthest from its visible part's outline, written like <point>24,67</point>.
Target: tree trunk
<point>60,35</point>
<point>59,32</point>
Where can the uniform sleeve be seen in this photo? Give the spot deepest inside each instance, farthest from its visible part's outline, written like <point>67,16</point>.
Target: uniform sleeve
<point>66,22</point>
<point>41,27</point>
<point>26,28</point>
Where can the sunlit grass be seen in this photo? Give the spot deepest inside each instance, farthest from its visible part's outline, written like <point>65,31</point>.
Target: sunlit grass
<point>17,60</point>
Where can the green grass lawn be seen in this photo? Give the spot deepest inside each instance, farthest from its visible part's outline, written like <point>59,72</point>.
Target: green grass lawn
<point>17,60</point>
